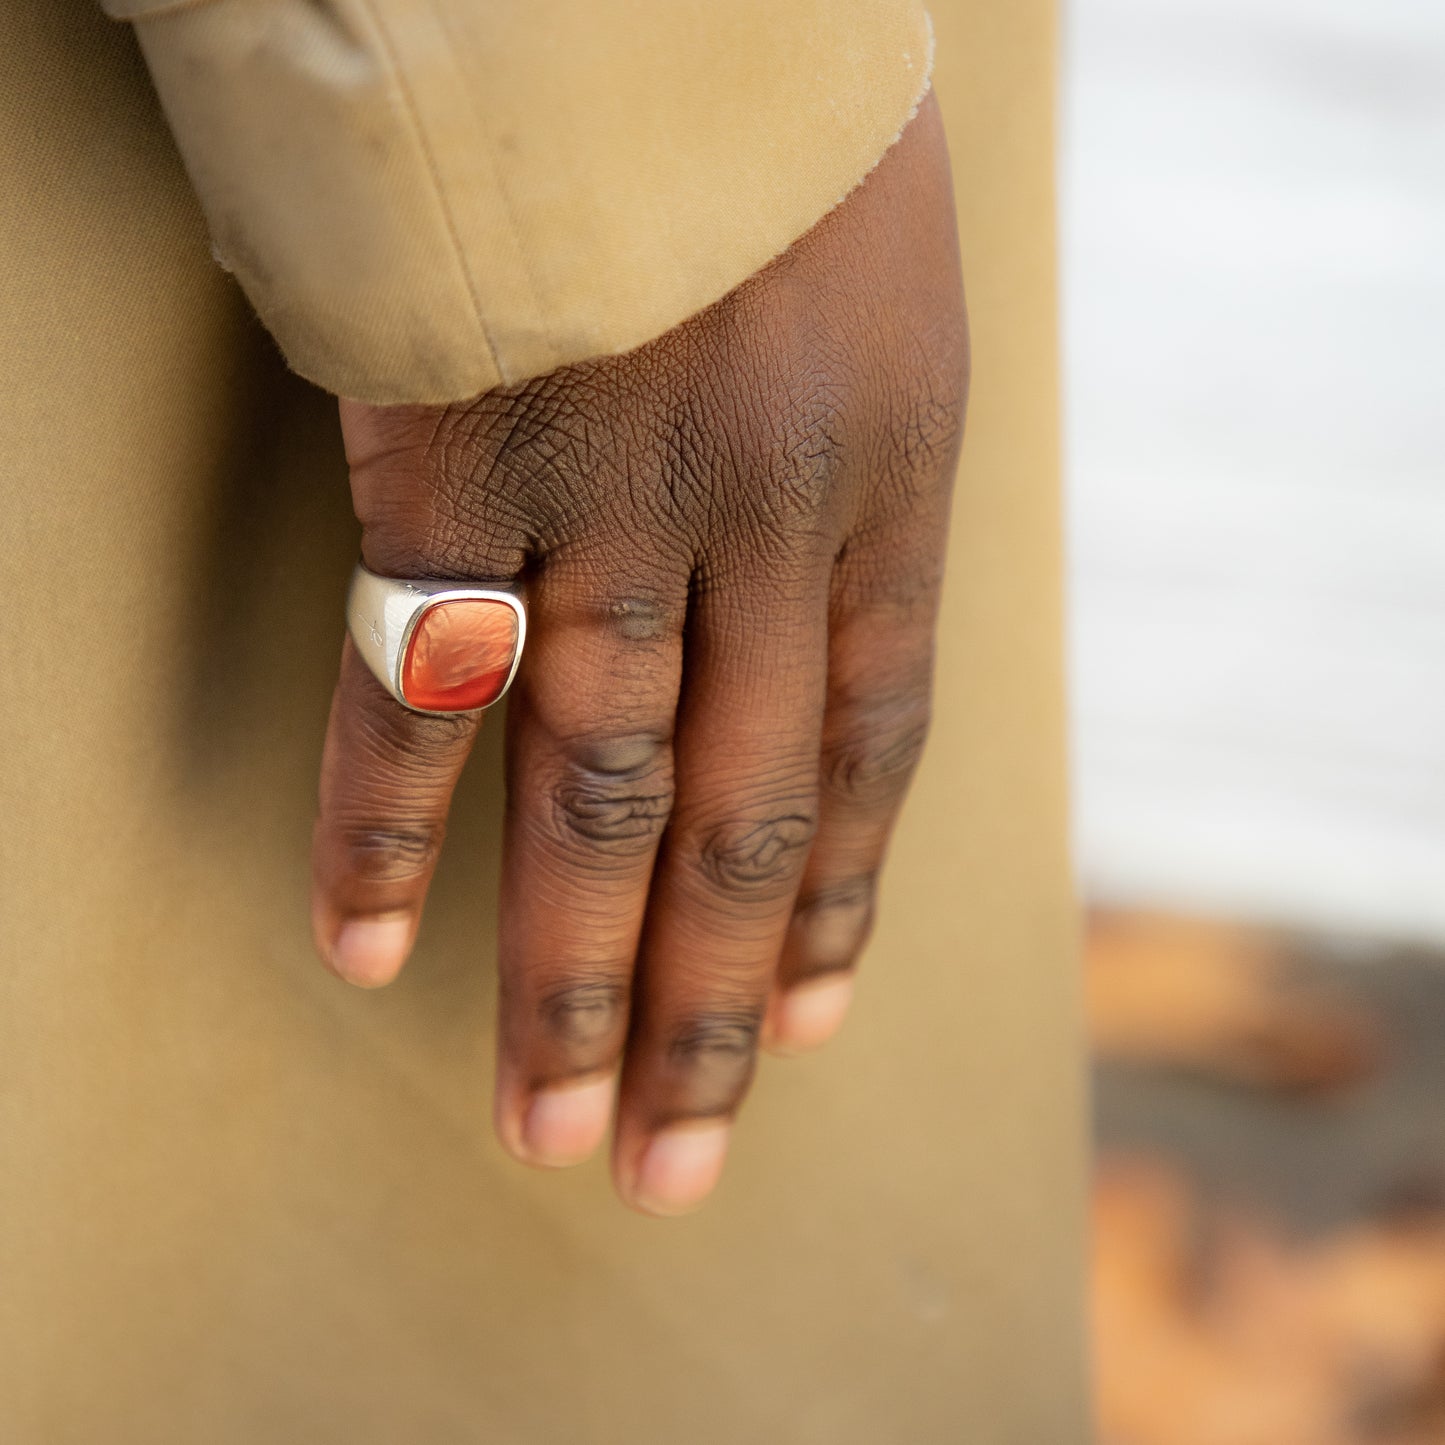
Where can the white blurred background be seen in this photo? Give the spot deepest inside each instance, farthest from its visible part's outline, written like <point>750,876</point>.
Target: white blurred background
<point>1254,278</point>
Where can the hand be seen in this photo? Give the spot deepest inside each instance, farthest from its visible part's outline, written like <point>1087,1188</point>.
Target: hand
<point>731,542</point>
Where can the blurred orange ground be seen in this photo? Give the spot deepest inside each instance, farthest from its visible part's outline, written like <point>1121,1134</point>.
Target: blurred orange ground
<point>1269,1208</point>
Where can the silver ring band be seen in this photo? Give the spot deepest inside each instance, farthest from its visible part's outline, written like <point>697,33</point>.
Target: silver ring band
<point>385,614</point>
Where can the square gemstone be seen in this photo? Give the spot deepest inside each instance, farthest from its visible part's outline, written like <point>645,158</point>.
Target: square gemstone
<point>459,655</point>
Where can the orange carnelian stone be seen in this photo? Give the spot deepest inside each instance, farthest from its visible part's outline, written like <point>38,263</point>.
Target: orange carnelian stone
<point>459,655</point>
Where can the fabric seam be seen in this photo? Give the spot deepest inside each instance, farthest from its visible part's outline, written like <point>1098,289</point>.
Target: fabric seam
<point>434,173</point>
<point>504,195</point>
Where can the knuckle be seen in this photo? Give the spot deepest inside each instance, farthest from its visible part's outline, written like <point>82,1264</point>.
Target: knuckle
<point>874,760</point>
<point>614,797</point>
<point>710,1057</point>
<point>391,853</point>
<point>749,860</point>
<point>831,923</point>
<point>617,816</point>
<point>928,426</point>
<point>643,619</point>
<point>583,1013</point>
<point>716,1039</point>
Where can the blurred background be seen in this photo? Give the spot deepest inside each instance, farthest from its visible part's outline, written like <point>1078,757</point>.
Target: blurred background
<point>1254,286</point>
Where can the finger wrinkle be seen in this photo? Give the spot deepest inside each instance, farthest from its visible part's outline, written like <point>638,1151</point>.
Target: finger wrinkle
<point>390,854</point>
<point>750,860</point>
<point>584,1012</point>
<point>612,816</point>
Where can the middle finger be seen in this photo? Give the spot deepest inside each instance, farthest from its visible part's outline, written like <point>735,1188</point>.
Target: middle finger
<point>589,791</point>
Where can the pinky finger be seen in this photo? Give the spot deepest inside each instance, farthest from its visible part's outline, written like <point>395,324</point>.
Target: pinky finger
<point>879,684</point>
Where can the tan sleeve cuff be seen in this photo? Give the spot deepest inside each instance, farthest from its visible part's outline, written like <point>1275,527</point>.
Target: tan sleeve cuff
<point>427,198</point>
<point>135,9</point>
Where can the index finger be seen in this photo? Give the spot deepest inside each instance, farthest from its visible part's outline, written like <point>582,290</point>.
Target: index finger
<point>387,778</point>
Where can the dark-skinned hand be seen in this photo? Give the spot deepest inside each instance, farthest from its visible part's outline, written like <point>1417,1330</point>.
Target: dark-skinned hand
<point>730,542</point>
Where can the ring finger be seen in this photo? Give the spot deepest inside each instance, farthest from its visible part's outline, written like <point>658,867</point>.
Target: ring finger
<point>746,761</point>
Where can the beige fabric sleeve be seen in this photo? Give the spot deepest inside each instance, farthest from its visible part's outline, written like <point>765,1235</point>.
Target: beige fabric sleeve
<point>427,198</point>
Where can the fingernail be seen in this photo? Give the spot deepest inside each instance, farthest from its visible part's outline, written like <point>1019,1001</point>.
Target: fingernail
<point>369,952</point>
<point>680,1167</point>
<point>565,1124</point>
<point>809,1014</point>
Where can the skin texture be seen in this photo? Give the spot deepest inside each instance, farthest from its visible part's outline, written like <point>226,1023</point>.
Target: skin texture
<point>731,544</point>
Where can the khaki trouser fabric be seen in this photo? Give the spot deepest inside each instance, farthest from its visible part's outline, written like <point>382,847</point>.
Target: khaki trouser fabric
<point>241,1203</point>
